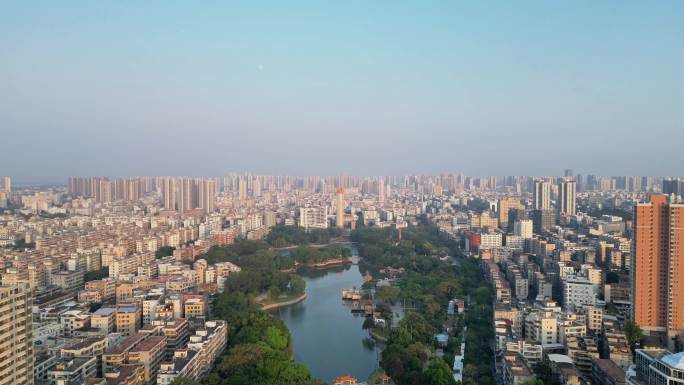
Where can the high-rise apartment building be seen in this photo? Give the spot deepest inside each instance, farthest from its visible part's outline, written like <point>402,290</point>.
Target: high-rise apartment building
<point>7,184</point>
<point>339,218</point>
<point>673,186</point>
<point>16,342</point>
<point>313,217</point>
<point>543,220</point>
<point>242,189</point>
<point>256,187</point>
<point>504,206</point>
<point>104,190</point>
<point>541,195</point>
<point>658,266</point>
<point>515,215</point>
<point>185,194</point>
<point>168,193</point>
<point>207,195</point>
<point>523,228</point>
<point>567,192</point>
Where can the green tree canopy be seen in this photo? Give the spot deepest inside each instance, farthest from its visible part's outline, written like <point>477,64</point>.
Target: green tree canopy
<point>438,373</point>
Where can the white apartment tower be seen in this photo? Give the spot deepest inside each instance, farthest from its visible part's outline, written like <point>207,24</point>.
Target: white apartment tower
<point>168,193</point>
<point>541,196</point>
<point>578,292</point>
<point>523,228</point>
<point>7,184</point>
<point>568,191</point>
<point>313,217</point>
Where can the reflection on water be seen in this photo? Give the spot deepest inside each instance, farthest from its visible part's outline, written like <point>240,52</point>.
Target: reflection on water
<point>327,338</point>
<point>310,272</point>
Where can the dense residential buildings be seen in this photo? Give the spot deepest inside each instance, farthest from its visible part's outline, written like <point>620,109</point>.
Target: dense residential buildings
<point>195,361</point>
<point>567,283</point>
<point>341,193</point>
<point>567,265</point>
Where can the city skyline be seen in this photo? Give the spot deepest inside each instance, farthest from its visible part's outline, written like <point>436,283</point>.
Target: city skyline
<point>22,182</point>
<point>360,88</point>
<point>134,280</point>
<point>341,193</point>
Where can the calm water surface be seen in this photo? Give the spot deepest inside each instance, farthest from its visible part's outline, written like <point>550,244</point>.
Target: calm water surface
<point>327,338</point>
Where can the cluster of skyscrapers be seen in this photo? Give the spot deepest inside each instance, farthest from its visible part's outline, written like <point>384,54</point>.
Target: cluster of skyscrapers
<point>185,194</point>
<point>503,221</point>
<point>103,189</point>
<point>177,193</point>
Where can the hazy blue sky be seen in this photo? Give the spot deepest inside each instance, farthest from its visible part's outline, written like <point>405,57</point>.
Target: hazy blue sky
<point>364,87</point>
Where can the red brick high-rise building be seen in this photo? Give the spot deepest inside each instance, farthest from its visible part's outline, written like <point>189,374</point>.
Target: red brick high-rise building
<point>658,266</point>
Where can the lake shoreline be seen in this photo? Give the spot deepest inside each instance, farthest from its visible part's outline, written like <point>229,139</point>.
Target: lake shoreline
<point>324,316</point>
<point>328,263</point>
<point>376,337</point>
<point>320,265</point>
<point>288,302</point>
